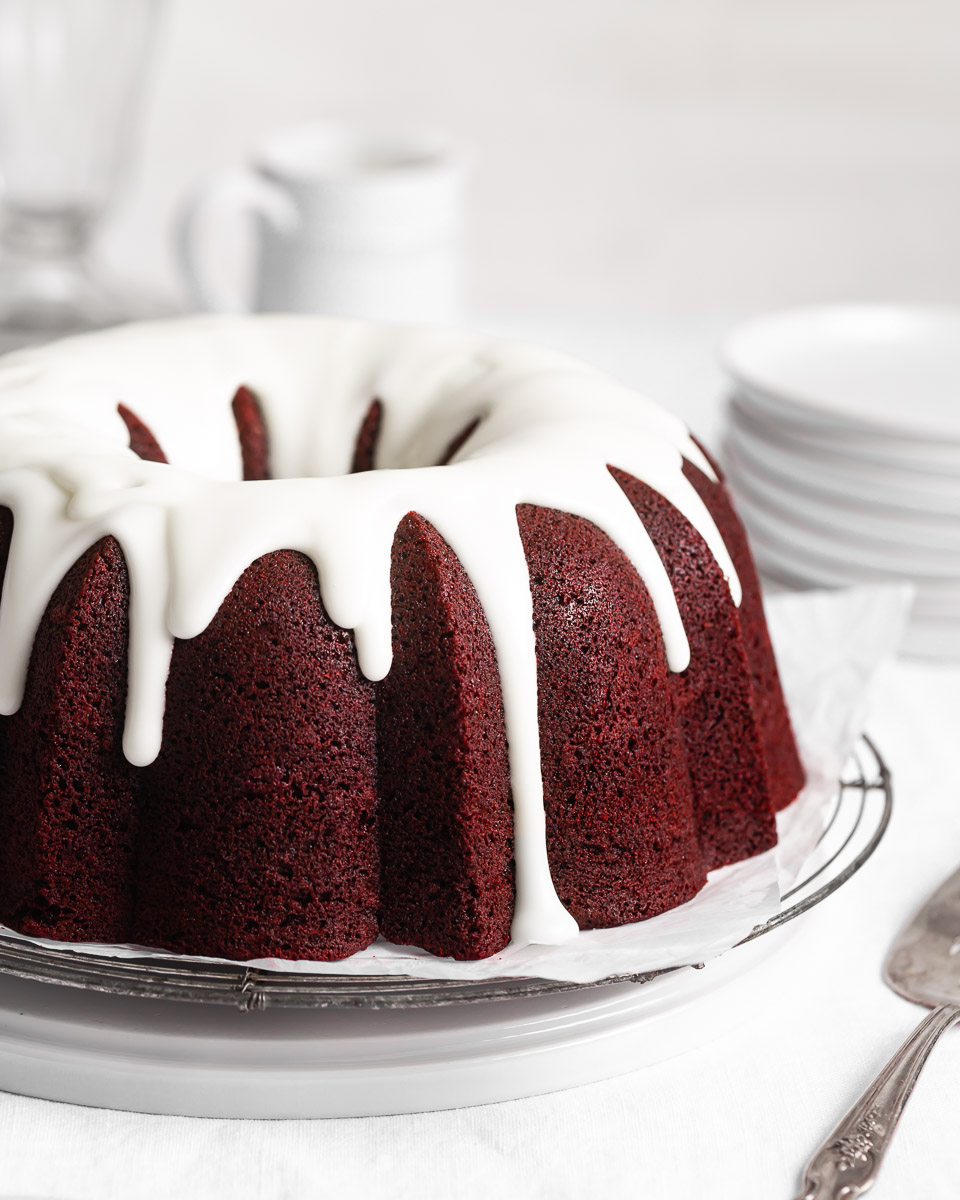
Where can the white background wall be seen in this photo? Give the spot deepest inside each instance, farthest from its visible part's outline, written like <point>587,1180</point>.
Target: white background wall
<point>632,155</point>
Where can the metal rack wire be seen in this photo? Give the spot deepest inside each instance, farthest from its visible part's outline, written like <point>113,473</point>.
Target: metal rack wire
<point>855,826</point>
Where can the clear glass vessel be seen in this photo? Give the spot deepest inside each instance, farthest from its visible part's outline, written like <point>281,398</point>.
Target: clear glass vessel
<point>71,76</point>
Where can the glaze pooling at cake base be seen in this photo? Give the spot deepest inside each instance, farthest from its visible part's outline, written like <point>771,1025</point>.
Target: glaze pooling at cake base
<point>318,399</point>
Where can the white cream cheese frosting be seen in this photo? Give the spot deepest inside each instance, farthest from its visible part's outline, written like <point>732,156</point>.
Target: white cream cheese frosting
<point>548,430</point>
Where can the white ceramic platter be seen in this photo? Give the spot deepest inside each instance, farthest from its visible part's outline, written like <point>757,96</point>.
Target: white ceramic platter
<point>882,487</point>
<point>799,568</point>
<point>826,512</point>
<point>804,568</point>
<point>165,1056</point>
<point>863,555</point>
<point>405,1052</point>
<point>888,370</point>
<point>942,458</point>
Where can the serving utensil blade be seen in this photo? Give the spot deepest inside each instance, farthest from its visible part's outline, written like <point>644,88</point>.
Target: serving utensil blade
<point>923,964</point>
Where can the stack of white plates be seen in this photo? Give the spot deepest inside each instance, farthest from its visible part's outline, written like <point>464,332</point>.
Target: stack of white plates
<point>843,452</point>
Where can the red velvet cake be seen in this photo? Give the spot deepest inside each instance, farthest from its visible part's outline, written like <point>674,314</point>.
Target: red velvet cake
<point>331,632</point>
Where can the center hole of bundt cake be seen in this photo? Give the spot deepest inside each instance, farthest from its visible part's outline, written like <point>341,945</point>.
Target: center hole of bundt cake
<point>255,443</point>
<point>365,448</point>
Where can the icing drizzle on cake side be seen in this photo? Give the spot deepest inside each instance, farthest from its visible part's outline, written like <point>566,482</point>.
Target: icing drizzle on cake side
<point>548,430</point>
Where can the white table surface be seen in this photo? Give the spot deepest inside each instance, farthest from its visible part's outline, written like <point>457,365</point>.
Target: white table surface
<point>736,1119</point>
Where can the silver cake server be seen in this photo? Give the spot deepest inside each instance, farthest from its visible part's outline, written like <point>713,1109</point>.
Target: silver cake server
<point>923,965</point>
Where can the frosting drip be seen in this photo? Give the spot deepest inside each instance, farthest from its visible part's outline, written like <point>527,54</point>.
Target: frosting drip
<point>548,430</point>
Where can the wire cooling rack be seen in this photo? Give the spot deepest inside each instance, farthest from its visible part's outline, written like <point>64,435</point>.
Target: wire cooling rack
<point>857,822</point>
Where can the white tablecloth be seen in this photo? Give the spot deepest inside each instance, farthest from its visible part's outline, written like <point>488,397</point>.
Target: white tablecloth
<point>735,1119</point>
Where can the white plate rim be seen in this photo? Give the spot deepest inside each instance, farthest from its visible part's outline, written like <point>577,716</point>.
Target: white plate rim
<point>941,457</point>
<point>789,460</point>
<point>805,569</point>
<point>894,529</point>
<point>737,351</point>
<point>782,527</point>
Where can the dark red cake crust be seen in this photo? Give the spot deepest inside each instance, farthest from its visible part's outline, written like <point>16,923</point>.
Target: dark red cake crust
<point>446,829</point>
<point>714,694</point>
<point>297,810</point>
<point>785,775</point>
<point>259,834</point>
<point>252,433</point>
<point>68,813</point>
<point>621,837</point>
<point>142,441</point>
<point>367,438</point>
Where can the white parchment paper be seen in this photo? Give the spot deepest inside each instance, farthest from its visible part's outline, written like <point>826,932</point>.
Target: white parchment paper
<point>828,645</point>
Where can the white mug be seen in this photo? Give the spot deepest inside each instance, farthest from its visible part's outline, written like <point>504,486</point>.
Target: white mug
<point>349,223</point>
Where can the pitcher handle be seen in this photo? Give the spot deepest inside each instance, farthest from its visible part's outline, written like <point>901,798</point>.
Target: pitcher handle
<point>237,189</point>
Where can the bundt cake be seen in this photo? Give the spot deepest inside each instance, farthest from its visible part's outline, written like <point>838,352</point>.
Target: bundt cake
<point>314,631</point>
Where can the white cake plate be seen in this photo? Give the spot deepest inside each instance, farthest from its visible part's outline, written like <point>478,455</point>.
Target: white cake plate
<point>161,1056</point>
<point>361,1058</point>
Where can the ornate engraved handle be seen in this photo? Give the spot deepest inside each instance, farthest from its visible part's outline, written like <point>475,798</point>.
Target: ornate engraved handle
<point>848,1162</point>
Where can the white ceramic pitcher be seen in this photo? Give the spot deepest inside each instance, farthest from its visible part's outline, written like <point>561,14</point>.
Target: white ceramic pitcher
<point>351,223</point>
